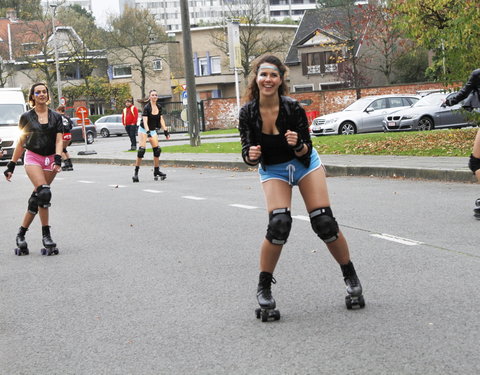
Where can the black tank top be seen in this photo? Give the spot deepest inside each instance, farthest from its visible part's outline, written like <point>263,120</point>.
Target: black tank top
<point>275,149</point>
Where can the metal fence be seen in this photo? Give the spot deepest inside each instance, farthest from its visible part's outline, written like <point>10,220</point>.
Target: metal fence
<point>171,113</point>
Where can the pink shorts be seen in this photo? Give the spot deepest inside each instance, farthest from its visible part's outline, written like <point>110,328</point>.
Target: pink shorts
<point>45,162</point>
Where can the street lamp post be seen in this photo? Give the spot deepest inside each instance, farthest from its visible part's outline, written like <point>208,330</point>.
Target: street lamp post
<point>57,67</point>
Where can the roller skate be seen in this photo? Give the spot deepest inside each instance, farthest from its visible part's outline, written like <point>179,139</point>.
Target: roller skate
<point>265,300</point>
<point>157,174</point>
<point>476,210</point>
<point>50,247</point>
<point>135,176</point>
<point>68,165</point>
<point>22,246</point>
<point>354,299</point>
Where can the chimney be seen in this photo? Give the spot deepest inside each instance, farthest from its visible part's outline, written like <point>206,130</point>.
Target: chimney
<point>12,14</point>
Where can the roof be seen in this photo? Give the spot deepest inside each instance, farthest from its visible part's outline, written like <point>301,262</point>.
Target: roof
<point>329,21</point>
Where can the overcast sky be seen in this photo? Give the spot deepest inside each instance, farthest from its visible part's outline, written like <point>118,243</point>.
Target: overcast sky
<point>101,9</point>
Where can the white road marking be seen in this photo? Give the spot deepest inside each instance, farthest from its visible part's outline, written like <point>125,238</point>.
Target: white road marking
<point>86,182</point>
<point>301,217</point>
<point>118,186</point>
<point>152,191</point>
<point>194,198</point>
<point>389,237</point>
<point>243,206</point>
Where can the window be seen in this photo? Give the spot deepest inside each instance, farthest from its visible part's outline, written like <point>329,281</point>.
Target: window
<point>303,88</point>
<point>320,62</point>
<point>379,104</point>
<point>203,67</point>
<point>29,46</point>
<point>216,65</point>
<point>122,71</point>
<point>157,64</point>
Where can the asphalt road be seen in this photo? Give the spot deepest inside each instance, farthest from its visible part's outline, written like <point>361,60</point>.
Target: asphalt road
<point>160,278</point>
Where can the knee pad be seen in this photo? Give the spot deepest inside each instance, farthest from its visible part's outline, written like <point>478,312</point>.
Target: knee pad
<point>33,204</point>
<point>44,195</point>
<point>474,163</point>
<point>141,152</point>
<point>279,225</point>
<point>156,151</point>
<point>65,150</point>
<point>324,224</point>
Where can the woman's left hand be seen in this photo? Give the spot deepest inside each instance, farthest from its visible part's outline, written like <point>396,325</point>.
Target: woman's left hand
<point>57,168</point>
<point>291,137</point>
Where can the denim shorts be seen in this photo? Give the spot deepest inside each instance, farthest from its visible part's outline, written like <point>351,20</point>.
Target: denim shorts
<point>291,171</point>
<point>45,162</point>
<point>152,132</point>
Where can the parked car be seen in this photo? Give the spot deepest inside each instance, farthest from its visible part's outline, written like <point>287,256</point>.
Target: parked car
<point>77,135</point>
<point>364,115</point>
<point>428,113</point>
<point>111,124</point>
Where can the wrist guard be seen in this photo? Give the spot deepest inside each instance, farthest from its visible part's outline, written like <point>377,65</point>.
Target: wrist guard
<point>299,146</point>
<point>58,160</point>
<point>149,135</point>
<point>166,133</point>
<point>10,168</point>
<point>474,163</point>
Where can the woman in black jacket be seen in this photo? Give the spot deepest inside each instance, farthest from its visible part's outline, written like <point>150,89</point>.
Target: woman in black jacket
<point>42,140</point>
<point>472,87</point>
<point>274,133</point>
<point>152,120</point>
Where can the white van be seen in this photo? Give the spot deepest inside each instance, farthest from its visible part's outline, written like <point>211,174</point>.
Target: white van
<point>12,105</point>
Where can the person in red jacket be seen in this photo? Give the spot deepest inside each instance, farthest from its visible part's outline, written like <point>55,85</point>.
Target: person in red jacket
<point>129,120</point>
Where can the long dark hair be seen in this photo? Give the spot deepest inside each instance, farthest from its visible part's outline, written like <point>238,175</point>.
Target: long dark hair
<point>252,92</point>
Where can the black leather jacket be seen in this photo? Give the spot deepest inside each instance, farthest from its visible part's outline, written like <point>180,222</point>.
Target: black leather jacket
<point>291,116</point>
<point>472,84</point>
<point>40,138</point>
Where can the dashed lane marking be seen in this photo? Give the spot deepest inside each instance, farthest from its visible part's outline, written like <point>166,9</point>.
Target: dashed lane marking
<point>152,191</point>
<point>389,237</point>
<point>243,206</point>
<point>193,198</point>
<point>86,182</point>
<point>117,186</point>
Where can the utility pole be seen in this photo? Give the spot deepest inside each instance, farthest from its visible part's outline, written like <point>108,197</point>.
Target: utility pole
<point>57,67</point>
<point>192,110</point>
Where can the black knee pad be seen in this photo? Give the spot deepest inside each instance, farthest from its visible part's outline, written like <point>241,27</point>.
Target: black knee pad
<point>44,195</point>
<point>65,150</point>
<point>279,225</point>
<point>33,204</point>
<point>474,163</point>
<point>324,224</point>
<point>157,151</point>
<point>141,152</point>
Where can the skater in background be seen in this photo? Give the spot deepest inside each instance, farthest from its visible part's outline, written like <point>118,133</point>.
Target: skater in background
<point>129,120</point>
<point>274,133</point>
<point>472,89</point>
<point>152,119</point>
<point>42,140</point>
<point>67,138</point>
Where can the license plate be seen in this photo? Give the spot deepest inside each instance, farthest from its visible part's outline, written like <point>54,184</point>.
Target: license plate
<point>391,124</point>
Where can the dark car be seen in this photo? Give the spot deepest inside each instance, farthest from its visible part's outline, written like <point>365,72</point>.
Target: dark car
<point>427,114</point>
<point>77,134</point>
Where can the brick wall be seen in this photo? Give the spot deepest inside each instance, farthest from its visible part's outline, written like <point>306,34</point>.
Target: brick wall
<point>222,114</point>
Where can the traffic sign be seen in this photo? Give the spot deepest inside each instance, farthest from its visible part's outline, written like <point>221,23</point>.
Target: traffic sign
<point>184,87</point>
<point>63,101</point>
<point>81,113</point>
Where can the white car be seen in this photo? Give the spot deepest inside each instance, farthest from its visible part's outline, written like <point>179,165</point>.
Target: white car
<point>110,125</point>
<point>363,116</point>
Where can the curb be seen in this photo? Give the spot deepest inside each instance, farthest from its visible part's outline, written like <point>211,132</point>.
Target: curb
<point>461,175</point>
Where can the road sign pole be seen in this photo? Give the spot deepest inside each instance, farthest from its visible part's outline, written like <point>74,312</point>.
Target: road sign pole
<point>81,113</point>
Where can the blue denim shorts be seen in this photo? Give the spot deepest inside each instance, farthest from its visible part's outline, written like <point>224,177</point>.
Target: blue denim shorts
<point>152,132</point>
<point>291,171</point>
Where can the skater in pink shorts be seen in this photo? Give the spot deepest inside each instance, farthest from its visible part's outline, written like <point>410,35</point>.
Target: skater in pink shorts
<point>42,140</point>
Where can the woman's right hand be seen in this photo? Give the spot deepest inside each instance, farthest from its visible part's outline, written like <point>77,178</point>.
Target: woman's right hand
<point>254,153</point>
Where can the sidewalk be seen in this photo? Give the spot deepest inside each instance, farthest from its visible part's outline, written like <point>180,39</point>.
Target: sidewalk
<point>417,167</point>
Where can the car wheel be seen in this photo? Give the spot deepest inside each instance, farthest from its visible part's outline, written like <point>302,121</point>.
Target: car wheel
<point>347,128</point>
<point>425,123</point>
<point>90,138</point>
<point>104,133</point>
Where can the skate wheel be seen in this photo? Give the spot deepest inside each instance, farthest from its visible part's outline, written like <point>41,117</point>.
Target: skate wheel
<point>276,315</point>
<point>18,251</point>
<point>348,302</point>
<point>264,316</point>
<point>361,302</point>
<point>43,251</point>
<point>257,313</point>
<point>55,251</point>
<point>163,178</point>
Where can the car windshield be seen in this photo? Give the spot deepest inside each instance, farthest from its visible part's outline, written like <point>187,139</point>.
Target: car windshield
<point>10,113</point>
<point>359,105</point>
<point>429,100</point>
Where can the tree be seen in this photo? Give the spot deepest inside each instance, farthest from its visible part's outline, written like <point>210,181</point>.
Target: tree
<point>134,36</point>
<point>448,27</point>
<point>25,9</point>
<point>254,41</point>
